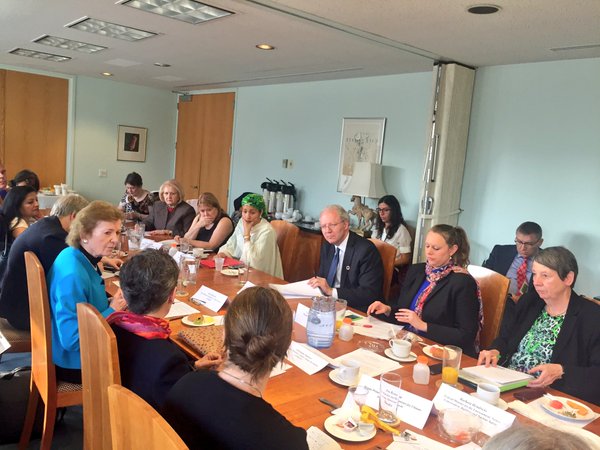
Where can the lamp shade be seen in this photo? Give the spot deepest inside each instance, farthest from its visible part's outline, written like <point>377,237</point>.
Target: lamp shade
<point>367,180</point>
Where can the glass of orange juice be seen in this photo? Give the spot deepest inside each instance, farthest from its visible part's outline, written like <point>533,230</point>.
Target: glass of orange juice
<point>340,312</point>
<point>451,364</point>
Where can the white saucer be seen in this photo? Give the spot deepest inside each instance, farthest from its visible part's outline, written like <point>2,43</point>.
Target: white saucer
<point>333,376</point>
<point>501,403</point>
<point>331,425</point>
<point>410,358</point>
<point>230,272</point>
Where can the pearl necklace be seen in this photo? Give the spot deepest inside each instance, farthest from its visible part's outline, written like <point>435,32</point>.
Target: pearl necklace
<point>243,382</point>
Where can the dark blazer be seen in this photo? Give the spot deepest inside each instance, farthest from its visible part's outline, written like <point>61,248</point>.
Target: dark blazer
<point>577,347</point>
<point>150,367</point>
<point>179,221</point>
<point>501,258</point>
<point>451,309</point>
<point>362,271</point>
<point>45,238</point>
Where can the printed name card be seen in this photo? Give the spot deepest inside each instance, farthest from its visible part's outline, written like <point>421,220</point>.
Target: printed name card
<point>493,419</point>
<point>413,409</point>
<point>307,360</point>
<point>210,298</point>
<point>302,314</point>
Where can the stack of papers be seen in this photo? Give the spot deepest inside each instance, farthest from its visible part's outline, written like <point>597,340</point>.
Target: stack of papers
<point>371,363</point>
<point>375,328</point>
<point>180,309</point>
<point>505,379</point>
<point>298,289</point>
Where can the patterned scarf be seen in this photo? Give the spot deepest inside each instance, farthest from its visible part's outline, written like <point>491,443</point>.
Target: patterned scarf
<point>256,201</point>
<point>435,274</point>
<point>143,326</point>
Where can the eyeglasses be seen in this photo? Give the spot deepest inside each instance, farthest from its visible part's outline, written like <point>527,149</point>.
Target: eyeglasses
<point>382,210</point>
<point>526,244</point>
<point>329,226</point>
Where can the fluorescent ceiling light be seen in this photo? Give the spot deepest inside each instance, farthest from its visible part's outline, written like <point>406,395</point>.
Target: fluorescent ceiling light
<point>39,55</point>
<point>189,11</point>
<point>109,29</point>
<point>68,44</point>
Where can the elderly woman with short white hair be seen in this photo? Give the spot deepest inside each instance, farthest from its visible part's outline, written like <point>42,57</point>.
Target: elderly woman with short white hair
<point>171,215</point>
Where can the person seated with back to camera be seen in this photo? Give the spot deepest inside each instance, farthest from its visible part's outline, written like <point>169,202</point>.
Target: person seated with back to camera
<point>211,227</point>
<point>440,300</point>
<point>226,410</point>
<point>254,240</point>
<point>350,267</point>
<point>555,334</point>
<point>172,214</point>
<point>150,362</point>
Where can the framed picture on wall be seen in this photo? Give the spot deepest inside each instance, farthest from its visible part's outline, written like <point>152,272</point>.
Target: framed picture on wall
<point>132,143</point>
<point>362,140</point>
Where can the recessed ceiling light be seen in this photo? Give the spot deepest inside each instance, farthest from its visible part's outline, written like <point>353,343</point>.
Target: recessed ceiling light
<point>109,29</point>
<point>265,47</point>
<point>68,44</point>
<point>162,64</point>
<point>107,74</point>
<point>189,11</point>
<point>483,9</point>
<point>39,55</point>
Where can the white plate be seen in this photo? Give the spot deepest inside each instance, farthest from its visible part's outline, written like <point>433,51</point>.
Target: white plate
<point>230,272</point>
<point>410,358</point>
<point>189,320</point>
<point>331,425</point>
<point>501,403</point>
<point>333,376</point>
<point>546,405</point>
<point>427,351</point>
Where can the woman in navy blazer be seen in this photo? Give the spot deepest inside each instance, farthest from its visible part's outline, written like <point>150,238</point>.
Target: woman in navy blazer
<point>440,300</point>
<point>555,335</point>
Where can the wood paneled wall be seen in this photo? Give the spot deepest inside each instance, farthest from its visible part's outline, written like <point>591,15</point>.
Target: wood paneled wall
<point>33,125</point>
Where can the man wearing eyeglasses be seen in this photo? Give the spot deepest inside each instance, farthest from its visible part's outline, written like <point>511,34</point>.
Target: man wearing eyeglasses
<point>350,266</point>
<point>515,261</point>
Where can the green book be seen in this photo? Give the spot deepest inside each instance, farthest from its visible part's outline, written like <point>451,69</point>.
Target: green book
<point>505,379</point>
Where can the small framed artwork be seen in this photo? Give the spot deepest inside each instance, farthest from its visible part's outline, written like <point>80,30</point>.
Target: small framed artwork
<point>132,144</point>
<point>362,140</point>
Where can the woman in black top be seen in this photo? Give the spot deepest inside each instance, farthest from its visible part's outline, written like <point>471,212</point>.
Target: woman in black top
<point>212,226</point>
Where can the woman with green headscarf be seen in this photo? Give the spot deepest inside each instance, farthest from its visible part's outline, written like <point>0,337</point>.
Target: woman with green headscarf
<point>254,240</point>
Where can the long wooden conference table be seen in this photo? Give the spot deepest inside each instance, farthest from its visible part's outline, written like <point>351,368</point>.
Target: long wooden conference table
<point>295,394</point>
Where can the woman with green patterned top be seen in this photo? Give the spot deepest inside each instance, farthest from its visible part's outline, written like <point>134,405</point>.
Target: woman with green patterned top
<point>555,335</point>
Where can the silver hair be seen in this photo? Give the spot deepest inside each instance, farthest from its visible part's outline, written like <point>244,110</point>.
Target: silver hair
<point>525,437</point>
<point>175,185</point>
<point>560,260</point>
<point>68,204</point>
<point>344,217</point>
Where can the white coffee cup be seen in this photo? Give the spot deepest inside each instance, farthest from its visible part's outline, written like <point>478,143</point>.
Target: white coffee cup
<point>400,347</point>
<point>489,393</point>
<point>348,370</point>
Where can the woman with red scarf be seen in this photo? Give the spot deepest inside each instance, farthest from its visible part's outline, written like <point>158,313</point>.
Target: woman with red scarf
<point>150,363</point>
<point>440,300</point>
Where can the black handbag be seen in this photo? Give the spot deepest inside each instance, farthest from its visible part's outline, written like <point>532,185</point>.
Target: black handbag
<point>14,395</point>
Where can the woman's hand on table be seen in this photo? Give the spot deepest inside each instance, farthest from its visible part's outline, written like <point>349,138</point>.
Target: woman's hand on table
<point>159,232</point>
<point>209,360</point>
<point>321,283</point>
<point>488,357</point>
<point>412,318</point>
<point>118,302</point>
<point>378,308</point>
<point>549,373</point>
<point>114,262</point>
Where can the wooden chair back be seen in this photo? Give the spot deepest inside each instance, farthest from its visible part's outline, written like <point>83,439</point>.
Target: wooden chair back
<point>136,425</point>
<point>494,289</point>
<point>99,369</point>
<point>287,234</point>
<point>43,373</point>
<point>388,256</point>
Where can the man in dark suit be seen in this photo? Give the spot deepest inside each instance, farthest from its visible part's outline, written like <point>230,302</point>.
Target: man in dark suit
<point>350,266</point>
<point>45,238</point>
<point>515,261</point>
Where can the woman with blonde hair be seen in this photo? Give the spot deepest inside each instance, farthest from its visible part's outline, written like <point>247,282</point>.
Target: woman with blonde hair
<point>171,215</point>
<point>75,277</point>
<point>212,226</point>
<point>204,406</point>
<point>440,300</point>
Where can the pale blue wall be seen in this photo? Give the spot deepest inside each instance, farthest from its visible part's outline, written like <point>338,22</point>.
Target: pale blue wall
<point>534,154</point>
<point>99,107</point>
<point>303,122</point>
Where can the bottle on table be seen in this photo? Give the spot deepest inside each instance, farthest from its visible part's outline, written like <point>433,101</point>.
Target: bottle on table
<point>173,249</point>
<point>421,370</point>
<point>346,331</point>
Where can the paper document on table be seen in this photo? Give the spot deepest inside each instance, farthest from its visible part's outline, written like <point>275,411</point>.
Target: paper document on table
<point>298,289</point>
<point>318,440</point>
<point>307,359</point>
<point>411,440</point>
<point>180,309</point>
<point>4,344</point>
<point>375,328</point>
<point>279,369</point>
<point>116,283</point>
<point>371,363</point>
<point>149,243</point>
<point>499,375</point>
